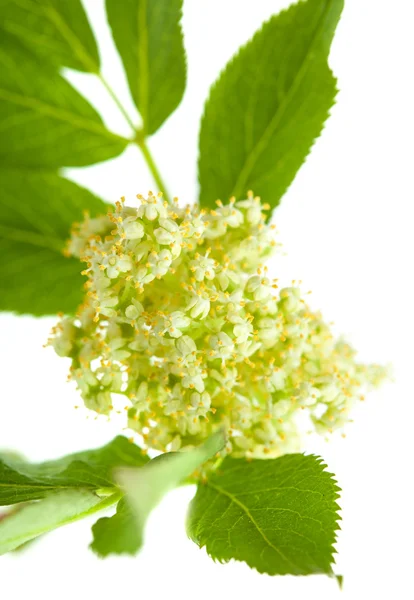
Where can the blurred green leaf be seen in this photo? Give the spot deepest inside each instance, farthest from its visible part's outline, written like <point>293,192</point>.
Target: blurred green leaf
<point>145,488</point>
<point>279,516</point>
<point>57,31</point>
<point>268,106</point>
<point>58,509</point>
<point>12,510</point>
<point>150,41</point>
<point>117,534</point>
<point>44,122</point>
<point>37,211</point>
<point>21,481</point>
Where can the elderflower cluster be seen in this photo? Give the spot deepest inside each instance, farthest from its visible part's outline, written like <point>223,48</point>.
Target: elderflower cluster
<point>182,318</point>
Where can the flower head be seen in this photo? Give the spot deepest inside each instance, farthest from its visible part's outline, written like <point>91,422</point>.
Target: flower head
<point>182,318</point>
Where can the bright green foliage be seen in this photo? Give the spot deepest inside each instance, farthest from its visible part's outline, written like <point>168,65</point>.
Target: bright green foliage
<point>145,488</point>
<point>44,122</point>
<point>16,487</point>
<point>118,534</point>
<point>58,509</point>
<point>91,470</point>
<point>279,516</point>
<point>149,39</point>
<point>57,31</point>
<point>37,210</point>
<point>269,105</point>
<point>72,487</point>
<point>38,281</point>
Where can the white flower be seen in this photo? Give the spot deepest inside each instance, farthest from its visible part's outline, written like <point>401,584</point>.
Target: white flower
<point>169,234</point>
<point>116,264</point>
<point>269,331</point>
<point>176,322</point>
<point>134,310</point>
<point>194,227</point>
<point>199,307</point>
<point>242,332</point>
<point>143,276</point>
<point>229,215</point>
<point>160,262</point>
<point>64,341</point>
<point>228,378</point>
<point>290,299</point>
<point>203,267</point>
<point>186,346</point>
<point>223,280</point>
<point>140,398</point>
<point>277,379</point>
<point>193,379</point>
<point>152,208</point>
<point>222,345</point>
<point>200,403</point>
<point>117,347</point>
<point>133,229</point>
<point>253,210</point>
<point>260,287</point>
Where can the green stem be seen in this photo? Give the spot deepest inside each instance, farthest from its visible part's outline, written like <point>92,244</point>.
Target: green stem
<point>138,139</point>
<point>117,101</point>
<point>152,166</point>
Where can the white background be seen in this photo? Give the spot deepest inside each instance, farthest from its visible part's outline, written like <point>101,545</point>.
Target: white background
<point>346,224</point>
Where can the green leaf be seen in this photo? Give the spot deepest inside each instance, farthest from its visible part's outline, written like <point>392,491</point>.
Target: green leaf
<point>118,534</point>
<point>279,516</point>
<point>268,106</point>
<point>12,510</point>
<point>123,533</point>
<point>91,470</point>
<point>56,31</point>
<point>44,122</point>
<point>38,518</point>
<point>149,39</point>
<point>37,211</point>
